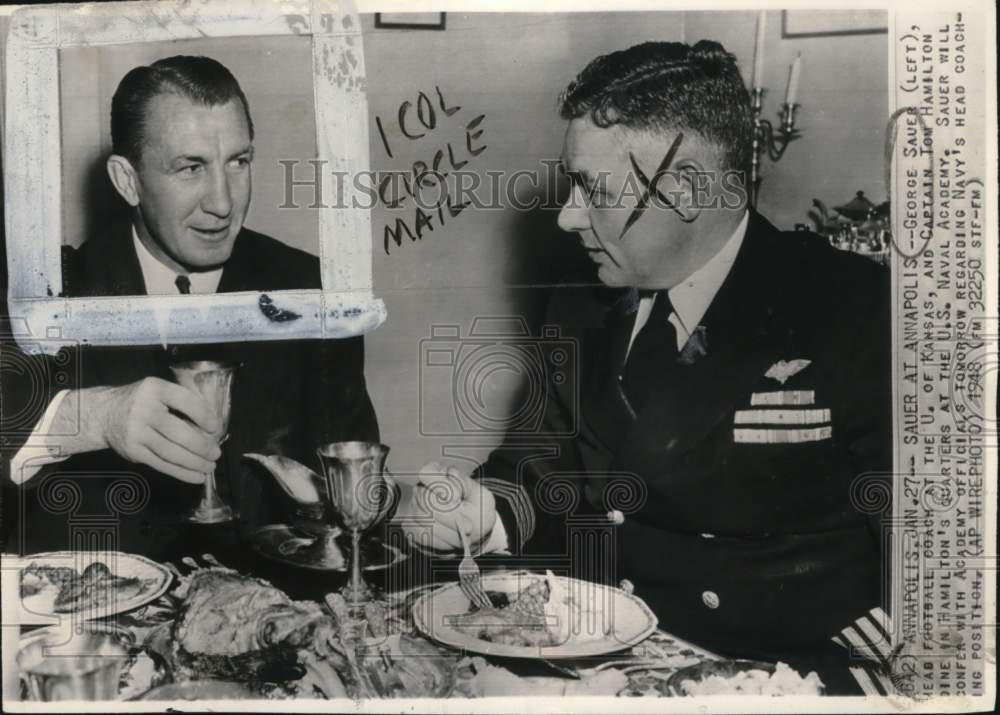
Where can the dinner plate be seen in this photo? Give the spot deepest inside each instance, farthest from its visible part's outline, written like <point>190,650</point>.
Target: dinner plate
<point>39,608</point>
<point>602,619</point>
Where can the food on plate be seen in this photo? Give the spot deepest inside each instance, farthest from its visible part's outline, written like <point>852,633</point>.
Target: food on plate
<point>240,628</point>
<point>401,666</point>
<point>376,619</point>
<point>236,627</point>
<point>754,681</point>
<point>537,616</point>
<point>97,592</point>
<point>142,674</point>
<point>37,578</point>
<point>71,592</point>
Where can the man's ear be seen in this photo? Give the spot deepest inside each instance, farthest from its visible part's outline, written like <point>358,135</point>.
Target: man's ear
<point>694,184</point>
<point>124,177</point>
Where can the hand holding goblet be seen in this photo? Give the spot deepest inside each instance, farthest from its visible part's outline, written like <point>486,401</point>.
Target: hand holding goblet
<point>213,381</point>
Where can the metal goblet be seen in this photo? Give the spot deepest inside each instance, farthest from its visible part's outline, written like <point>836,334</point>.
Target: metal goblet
<point>62,663</point>
<point>361,495</point>
<point>213,381</point>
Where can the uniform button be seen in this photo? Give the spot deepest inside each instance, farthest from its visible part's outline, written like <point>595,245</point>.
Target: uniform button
<point>616,517</point>
<point>710,599</point>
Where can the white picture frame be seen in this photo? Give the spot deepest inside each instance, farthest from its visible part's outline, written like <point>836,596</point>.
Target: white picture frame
<point>346,305</point>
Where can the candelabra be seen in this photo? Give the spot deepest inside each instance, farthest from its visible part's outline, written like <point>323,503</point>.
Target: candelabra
<point>765,138</point>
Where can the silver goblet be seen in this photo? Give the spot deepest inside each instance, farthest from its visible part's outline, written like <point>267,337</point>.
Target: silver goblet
<point>62,663</point>
<point>361,494</point>
<point>213,381</point>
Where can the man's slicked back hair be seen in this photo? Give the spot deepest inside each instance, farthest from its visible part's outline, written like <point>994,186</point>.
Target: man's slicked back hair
<point>200,79</point>
<point>663,86</point>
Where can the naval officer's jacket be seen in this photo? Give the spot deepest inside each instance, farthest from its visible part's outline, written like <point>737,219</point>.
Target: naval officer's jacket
<point>743,494</point>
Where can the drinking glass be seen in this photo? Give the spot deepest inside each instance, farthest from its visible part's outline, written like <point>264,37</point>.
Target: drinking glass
<point>361,494</point>
<point>213,381</point>
<point>68,665</point>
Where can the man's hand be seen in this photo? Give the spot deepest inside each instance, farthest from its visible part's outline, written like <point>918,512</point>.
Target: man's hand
<point>136,421</point>
<point>440,502</point>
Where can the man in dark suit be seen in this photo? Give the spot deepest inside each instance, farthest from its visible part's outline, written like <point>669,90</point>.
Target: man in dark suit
<point>138,444</point>
<point>734,388</point>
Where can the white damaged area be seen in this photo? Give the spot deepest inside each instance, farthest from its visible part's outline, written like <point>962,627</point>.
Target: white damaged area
<point>228,317</point>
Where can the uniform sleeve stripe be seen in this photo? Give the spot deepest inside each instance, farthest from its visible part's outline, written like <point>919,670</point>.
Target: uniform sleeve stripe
<point>881,618</point>
<point>782,397</point>
<point>875,636</point>
<point>864,680</point>
<point>885,683</point>
<point>782,417</point>
<point>858,644</point>
<point>786,435</point>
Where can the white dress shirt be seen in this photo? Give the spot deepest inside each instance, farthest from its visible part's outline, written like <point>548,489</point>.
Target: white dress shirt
<point>162,280</point>
<point>41,448</point>
<point>691,298</point>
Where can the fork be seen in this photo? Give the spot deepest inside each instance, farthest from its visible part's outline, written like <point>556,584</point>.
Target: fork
<point>189,566</point>
<point>192,565</point>
<point>469,577</point>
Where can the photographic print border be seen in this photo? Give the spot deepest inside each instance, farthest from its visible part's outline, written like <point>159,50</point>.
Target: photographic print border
<point>936,359</point>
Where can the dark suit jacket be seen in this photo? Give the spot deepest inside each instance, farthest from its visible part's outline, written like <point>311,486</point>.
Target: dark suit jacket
<point>288,397</point>
<point>751,549</point>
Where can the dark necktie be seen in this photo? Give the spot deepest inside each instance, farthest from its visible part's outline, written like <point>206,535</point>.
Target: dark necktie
<point>183,284</point>
<point>653,352</point>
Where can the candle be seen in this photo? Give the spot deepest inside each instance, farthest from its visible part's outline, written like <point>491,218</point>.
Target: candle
<point>793,80</point>
<point>758,52</point>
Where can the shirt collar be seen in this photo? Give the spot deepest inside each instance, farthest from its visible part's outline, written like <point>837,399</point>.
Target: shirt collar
<point>161,280</point>
<point>692,296</point>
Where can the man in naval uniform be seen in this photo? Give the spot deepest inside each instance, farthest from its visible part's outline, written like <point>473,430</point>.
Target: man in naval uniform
<point>734,391</point>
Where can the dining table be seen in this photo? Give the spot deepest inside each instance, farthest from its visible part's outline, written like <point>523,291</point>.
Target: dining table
<point>643,669</point>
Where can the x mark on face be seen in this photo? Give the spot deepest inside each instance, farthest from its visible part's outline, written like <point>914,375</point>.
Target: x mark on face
<point>649,184</point>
